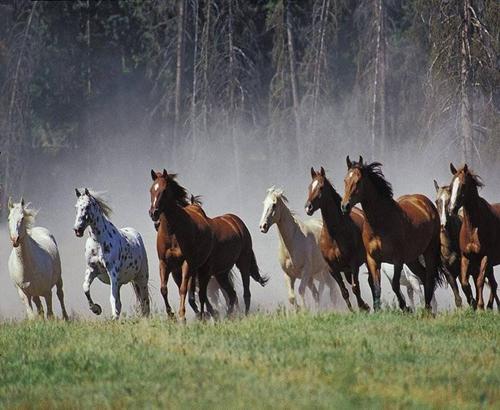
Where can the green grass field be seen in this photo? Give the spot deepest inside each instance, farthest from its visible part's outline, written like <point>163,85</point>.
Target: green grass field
<point>263,361</point>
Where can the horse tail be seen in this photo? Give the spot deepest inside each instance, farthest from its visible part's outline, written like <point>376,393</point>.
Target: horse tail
<point>442,271</point>
<point>255,272</point>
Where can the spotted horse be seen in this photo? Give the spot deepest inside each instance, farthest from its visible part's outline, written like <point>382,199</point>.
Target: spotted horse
<point>115,256</point>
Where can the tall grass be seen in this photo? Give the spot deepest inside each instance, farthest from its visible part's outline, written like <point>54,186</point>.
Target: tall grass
<point>263,361</point>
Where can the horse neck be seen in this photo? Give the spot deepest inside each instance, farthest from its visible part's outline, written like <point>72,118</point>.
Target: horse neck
<point>330,212</point>
<point>24,254</point>
<point>101,228</point>
<point>452,231</point>
<point>179,224</point>
<point>287,225</point>
<point>375,207</point>
<point>472,207</point>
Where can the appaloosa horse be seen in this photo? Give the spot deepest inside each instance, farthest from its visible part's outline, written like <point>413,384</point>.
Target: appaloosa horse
<point>395,232</point>
<point>210,245</point>
<point>479,234</point>
<point>341,243</point>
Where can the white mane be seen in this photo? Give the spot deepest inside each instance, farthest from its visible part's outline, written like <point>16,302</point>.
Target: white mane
<point>29,214</point>
<point>277,193</point>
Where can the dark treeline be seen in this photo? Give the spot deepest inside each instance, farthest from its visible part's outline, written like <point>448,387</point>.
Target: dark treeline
<point>283,78</point>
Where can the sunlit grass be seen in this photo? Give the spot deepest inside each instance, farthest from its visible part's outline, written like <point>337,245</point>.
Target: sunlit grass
<point>266,361</point>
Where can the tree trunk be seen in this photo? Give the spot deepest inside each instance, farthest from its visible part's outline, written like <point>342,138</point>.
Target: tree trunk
<point>293,76</point>
<point>194,133</point>
<point>179,71</point>
<point>465,101</point>
<point>378,103</point>
<point>205,56</point>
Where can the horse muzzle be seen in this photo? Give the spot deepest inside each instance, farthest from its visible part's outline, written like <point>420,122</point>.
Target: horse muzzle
<point>154,214</point>
<point>79,232</point>
<point>309,208</point>
<point>346,208</point>
<point>15,241</point>
<point>264,227</point>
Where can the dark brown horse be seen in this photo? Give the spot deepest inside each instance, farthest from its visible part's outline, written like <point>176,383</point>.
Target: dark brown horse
<point>210,245</point>
<point>396,232</point>
<point>341,243</point>
<point>479,234</point>
<point>171,260</point>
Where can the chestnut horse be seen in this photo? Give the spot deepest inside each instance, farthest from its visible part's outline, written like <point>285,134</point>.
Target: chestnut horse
<point>341,243</point>
<point>210,245</point>
<point>395,232</point>
<point>479,234</point>
<point>171,260</point>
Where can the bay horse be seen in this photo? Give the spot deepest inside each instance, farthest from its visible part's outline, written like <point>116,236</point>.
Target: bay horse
<point>210,245</point>
<point>115,256</point>
<point>395,231</point>
<point>171,259</point>
<point>340,243</point>
<point>479,234</point>
<point>299,254</point>
<point>34,263</point>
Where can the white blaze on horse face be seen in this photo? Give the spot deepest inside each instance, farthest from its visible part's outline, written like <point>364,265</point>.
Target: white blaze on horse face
<point>266,212</point>
<point>81,208</point>
<point>314,186</point>
<point>454,192</point>
<point>15,220</point>
<point>156,187</point>
<point>443,209</point>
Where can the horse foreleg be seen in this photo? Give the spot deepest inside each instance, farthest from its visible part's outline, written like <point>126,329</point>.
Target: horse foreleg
<point>480,282</point>
<point>374,268</point>
<point>48,303</point>
<point>396,285</point>
<point>228,288</point>
<point>90,275</point>
<point>454,288</point>
<point>39,307</point>
<point>315,293</point>
<point>290,284</point>
<point>345,293</point>
<point>164,273</point>
<point>357,290</point>
<point>27,303</point>
<point>60,296</point>
<point>411,296</point>
<point>464,280</point>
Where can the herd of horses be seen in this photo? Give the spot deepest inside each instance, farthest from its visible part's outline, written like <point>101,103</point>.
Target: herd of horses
<point>453,239</point>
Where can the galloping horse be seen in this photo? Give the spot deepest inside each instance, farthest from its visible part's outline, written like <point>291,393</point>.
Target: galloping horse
<point>114,256</point>
<point>210,245</point>
<point>341,243</point>
<point>299,253</point>
<point>479,234</point>
<point>171,260</point>
<point>34,263</point>
<point>395,232</point>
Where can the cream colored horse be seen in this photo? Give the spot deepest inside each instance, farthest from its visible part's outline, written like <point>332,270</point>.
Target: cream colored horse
<point>299,253</point>
<point>34,263</point>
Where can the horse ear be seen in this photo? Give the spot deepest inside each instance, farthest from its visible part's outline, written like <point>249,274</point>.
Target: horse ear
<point>360,160</point>
<point>22,201</point>
<point>466,168</point>
<point>87,192</point>
<point>153,175</point>
<point>436,185</point>
<point>313,173</point>
<point>349,162</point>
<point>78,194</point>
<point>453,169</point>
<point>322,171</point>
<point>165,173</point>
<point>10,204</point>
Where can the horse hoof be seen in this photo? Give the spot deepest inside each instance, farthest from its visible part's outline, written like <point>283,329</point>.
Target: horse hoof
<point>96,309</point>
<point>406,309</point>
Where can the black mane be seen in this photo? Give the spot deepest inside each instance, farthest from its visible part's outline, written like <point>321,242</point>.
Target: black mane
<point>336,196</point>
<point>180,193</point>
<point>374,172</point>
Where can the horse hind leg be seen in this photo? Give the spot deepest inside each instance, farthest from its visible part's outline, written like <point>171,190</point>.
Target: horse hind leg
<point>493,288</point>
<point>164,274</point>
<point>480,282</point>
<point>226,285</point>
<point>60,296</point>
<point>432,257</point>
<point>362,305</point>
<point>396,286</point>
<point>48,303</point>
<point>141,291</point>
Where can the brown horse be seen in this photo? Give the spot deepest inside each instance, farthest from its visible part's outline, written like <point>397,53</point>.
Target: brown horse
<point>210,245</point>
<point>395,232</point>
<point>341,243</point>
<point>479,234</point>
<point>171,260</point>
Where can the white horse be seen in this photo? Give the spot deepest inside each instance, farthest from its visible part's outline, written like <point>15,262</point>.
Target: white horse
<point>299,253</point>
<point>412,283</point>
<point>34,263</point>
<point>114,256</point>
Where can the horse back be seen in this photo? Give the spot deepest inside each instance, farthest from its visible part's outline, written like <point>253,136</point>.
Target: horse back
<point>419,211</point>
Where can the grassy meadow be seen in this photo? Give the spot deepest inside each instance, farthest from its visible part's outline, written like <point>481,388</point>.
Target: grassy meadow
<point>384,360</point>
